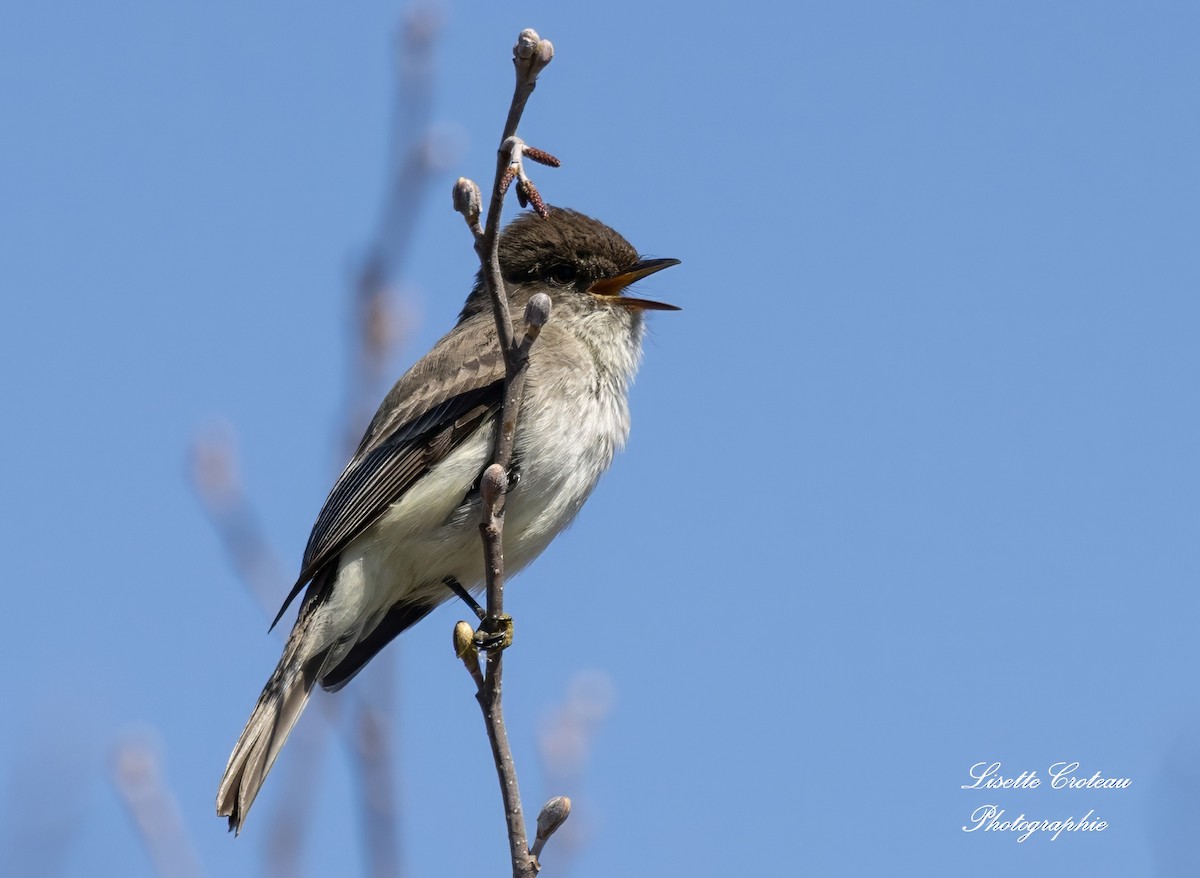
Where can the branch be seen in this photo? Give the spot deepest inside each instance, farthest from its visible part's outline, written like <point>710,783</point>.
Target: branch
<point>565,737</point>
<point>152,806</point>
<point>414,157</point>
<point>414,162</point>
<point>531,54</point>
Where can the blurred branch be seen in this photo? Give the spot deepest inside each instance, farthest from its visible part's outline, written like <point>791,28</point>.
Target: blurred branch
<point>155,812</point>
<point>413,164</point>
<point>415,156</point>
<point>377,331</point>
<point>216,479</point>
<point>297,798</point>
<point>564,745</point>
<point>373,740</point>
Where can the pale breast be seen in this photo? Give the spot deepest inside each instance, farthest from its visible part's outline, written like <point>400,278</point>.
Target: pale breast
<point>574,420</point>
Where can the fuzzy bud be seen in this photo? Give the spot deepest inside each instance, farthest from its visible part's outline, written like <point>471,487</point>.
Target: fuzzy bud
<point>531,54</point>
<point>492,485</point>
<point>527,44</point>
<point>464,639</point>
<point>537,312</point>
<point>553,815</point>
<point>468,200</point>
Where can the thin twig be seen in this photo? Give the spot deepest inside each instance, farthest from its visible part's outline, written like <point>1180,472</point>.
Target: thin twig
<point>531,54</point>
<point>489,695</point>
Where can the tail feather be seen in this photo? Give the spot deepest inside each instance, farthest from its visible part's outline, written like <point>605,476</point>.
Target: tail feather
<point>279,706</point>
<point>343,666</point>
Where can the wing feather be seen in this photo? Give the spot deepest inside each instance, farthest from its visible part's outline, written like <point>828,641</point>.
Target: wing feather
<point>423,419</point>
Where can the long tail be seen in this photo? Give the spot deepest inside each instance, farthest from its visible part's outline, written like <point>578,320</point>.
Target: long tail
<point>278,708</point>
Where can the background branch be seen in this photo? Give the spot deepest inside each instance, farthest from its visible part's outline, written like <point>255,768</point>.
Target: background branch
<point>377,331</point>
<point>137,777</point>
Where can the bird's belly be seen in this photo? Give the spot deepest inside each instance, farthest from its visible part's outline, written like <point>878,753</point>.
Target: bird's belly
<point>561,450</point>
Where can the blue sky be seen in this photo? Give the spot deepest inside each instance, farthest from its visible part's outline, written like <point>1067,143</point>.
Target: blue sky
<point>912,482</point>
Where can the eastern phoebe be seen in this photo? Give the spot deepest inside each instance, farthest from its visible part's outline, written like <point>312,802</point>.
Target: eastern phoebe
<point>401,525</point>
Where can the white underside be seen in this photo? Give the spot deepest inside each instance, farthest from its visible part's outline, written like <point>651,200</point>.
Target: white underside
<point>430,534</point>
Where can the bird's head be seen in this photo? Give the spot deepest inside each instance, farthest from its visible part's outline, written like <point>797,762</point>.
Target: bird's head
<point>580,262</point>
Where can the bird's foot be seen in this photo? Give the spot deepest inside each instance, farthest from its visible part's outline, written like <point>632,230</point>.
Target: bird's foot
<point>495,632</point>
<point>465,596</point>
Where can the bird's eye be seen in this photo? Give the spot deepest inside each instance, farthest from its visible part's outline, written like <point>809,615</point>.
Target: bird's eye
<point>563,273</point>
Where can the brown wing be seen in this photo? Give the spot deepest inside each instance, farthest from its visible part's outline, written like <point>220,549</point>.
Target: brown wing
<point>431,410</point>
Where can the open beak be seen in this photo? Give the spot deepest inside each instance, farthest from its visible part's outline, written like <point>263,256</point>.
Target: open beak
<point>608,289</point>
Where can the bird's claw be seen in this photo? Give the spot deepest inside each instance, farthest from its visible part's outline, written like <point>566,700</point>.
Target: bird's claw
<point>495,632</point>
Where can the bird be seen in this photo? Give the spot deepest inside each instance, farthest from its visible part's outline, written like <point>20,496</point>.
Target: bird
<point>398,534</point>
